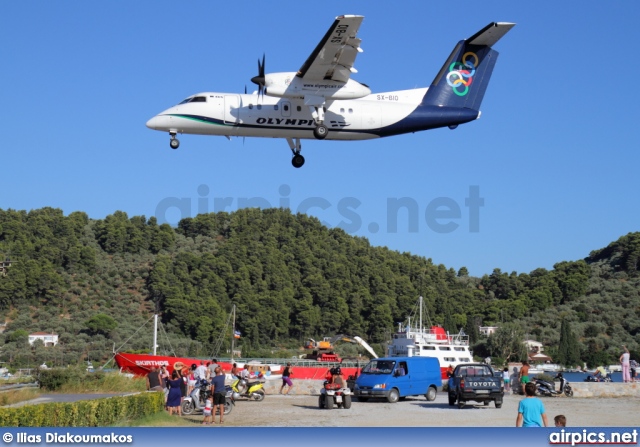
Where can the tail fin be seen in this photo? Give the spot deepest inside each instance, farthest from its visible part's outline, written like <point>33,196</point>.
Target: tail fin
<point>463,79</point>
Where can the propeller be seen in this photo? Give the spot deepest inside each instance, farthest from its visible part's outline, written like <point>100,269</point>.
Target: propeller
<point>259,80</point>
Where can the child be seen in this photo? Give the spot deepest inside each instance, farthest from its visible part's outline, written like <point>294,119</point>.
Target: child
<point>560,420</point>
<point>531,410</point>
<point>507,379</point>
<point>207,412</point>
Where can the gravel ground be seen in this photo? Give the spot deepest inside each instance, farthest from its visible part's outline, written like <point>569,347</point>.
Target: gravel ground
<point>303,411</point>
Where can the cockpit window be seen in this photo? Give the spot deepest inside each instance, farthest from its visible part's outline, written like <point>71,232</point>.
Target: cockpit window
<point>195,99</point>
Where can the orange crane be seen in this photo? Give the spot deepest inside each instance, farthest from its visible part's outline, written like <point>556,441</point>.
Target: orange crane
<point>323,350</point>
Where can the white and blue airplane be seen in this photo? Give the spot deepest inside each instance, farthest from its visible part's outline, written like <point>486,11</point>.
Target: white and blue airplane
<point>321,100</point>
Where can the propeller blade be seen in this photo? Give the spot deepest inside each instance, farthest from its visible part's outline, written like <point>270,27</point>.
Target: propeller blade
<point>259,79</point>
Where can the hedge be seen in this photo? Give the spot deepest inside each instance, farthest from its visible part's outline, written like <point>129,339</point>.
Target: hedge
<point>87,413</point>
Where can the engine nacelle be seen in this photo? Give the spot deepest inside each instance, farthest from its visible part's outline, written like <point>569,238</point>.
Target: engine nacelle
<point>288,85</point>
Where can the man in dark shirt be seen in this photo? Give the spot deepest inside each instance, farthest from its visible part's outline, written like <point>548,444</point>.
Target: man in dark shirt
<point>219,394</point>
<point>153,380</point>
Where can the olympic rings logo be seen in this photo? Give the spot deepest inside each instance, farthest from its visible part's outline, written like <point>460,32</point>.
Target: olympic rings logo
<point>460,74</point>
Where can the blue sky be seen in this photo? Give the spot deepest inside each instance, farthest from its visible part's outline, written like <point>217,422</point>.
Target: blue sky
<point>554,155</point>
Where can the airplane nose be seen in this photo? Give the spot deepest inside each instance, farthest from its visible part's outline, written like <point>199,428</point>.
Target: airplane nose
<point>154,123</point>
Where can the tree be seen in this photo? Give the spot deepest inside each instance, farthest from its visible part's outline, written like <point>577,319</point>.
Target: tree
<point>101,324</point>
<point>508,343</point>
<point>568,349</point>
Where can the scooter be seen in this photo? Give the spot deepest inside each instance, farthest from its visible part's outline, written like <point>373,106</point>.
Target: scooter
<point>198,397</point>
<point>249,390</point>
<point>544,388</point>
<point>565,387</point>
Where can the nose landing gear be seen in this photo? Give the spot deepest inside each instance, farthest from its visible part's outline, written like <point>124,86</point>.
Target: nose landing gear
<point>174,142</point>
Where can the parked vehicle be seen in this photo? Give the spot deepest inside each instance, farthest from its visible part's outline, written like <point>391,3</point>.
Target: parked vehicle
<point>332,393</point>
<point>545,388</point>
<point>395,378</point>
<point>249,390</point>
<point>477,382</point>
<point>591,378</point>
<point>196,400</point>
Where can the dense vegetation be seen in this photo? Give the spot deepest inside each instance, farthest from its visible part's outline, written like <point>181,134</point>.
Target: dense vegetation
<point>96,282</point>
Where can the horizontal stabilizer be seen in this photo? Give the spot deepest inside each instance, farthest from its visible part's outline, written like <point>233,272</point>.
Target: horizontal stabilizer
<point>490,34</point>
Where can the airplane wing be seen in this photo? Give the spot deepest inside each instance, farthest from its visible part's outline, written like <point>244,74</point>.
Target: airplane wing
<point>334,56</point>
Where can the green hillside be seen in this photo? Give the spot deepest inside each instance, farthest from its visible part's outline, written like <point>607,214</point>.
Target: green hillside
<point>96,282</point>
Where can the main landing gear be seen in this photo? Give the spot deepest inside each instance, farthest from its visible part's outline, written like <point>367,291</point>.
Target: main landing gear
<point>317,112</point>
<point>174,142</point>
<point>320,132</point>
<point>294,144</point>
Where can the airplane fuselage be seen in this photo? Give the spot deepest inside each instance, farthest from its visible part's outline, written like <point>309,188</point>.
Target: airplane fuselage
<point>252,115</point>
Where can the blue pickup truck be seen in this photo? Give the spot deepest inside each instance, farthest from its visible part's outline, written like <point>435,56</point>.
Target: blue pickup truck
<point>477,382</point>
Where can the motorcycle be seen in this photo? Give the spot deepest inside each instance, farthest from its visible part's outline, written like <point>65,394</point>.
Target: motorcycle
<point>545,388</point>
<point>198,397</point>
<point>333,392</point>
<point>598,379</point>
<point>250,390</point>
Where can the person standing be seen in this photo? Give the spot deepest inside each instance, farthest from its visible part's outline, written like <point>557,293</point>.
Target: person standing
<point>524,373</point>
<point>624,360</point>
<point>154,382</point>
<point>531,411</point>
<point>633,365</point>
<point>219,394</point>
<point>164,375</point>
<point>212,368</point>
<point>174,397</point>
<point>507,379</point>
<point>286,379</point>
<point>201,372</point>
<point>207,412</point>
<point>235,372</point>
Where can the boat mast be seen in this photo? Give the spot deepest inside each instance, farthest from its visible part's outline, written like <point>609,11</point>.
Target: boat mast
<point>155,332</point>
<point>421,314</point>
<point>233,332</point>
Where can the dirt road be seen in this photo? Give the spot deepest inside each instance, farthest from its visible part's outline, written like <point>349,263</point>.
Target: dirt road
<point>303,411</point>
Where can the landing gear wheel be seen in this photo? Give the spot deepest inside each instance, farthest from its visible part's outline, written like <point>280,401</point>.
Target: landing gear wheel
<point>174,143</point>
<point>321,131</point>
<point>328,402</point>
<point>393,396</point>
<point>297,161</point>
<point>346,402</point>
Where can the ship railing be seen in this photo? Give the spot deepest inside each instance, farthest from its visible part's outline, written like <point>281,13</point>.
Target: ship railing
<point>295,362</point>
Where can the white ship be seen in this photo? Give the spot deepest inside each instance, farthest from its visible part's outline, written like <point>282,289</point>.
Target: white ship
<point>409,341</point>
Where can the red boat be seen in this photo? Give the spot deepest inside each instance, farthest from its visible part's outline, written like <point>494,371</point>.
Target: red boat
<point>140,365</point>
